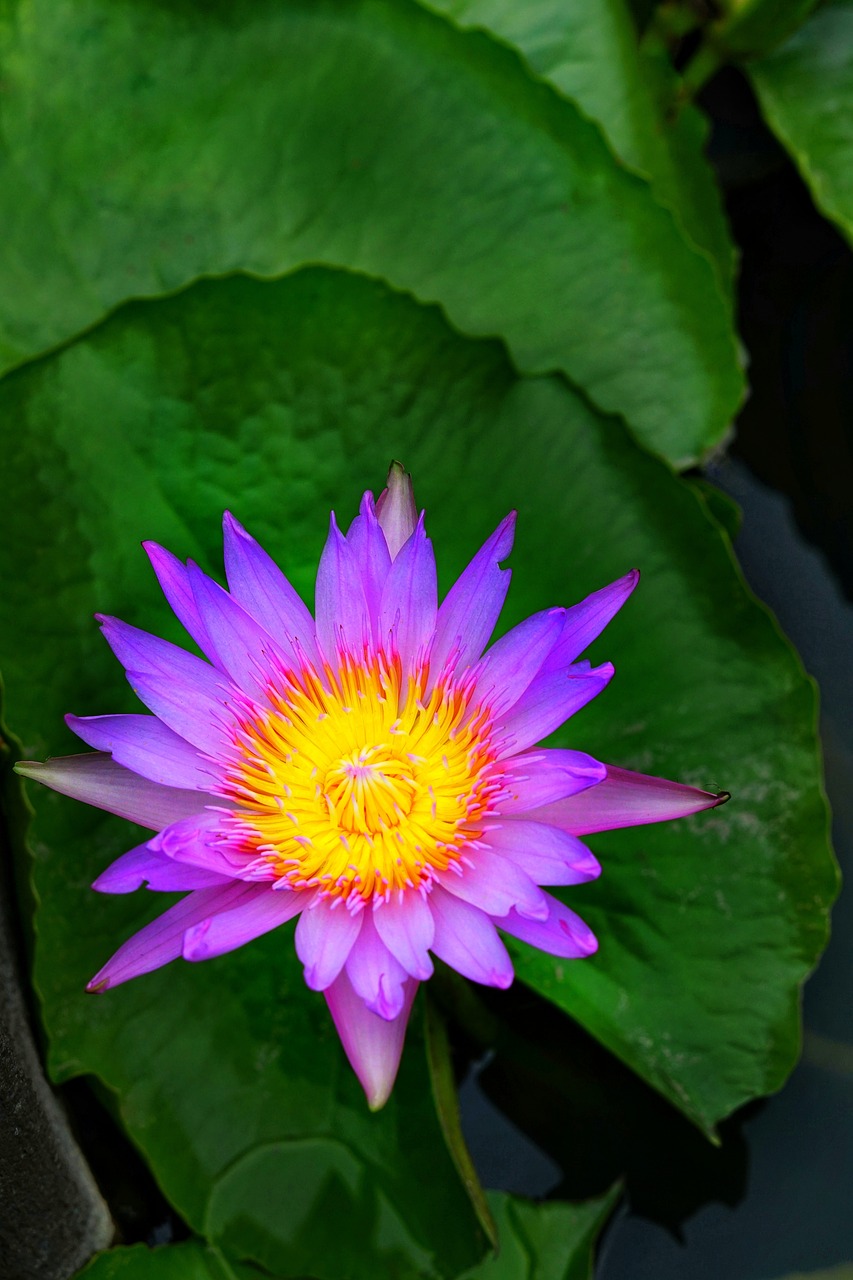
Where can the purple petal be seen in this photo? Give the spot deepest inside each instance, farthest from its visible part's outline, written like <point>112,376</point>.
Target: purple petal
<point>626,799</point>
<point>548,703</point>
<point>372,1045</point>
<point>162,939</point>
<point>145,745</point>
<point>509,666</point>
<point>588,619</point>
<point>96,779</point>
<point>375,975</point>
<point>547,854</point>
<point>466,939</point>
<point>562,934</point>
<point>141,866</point>
<point>238,644</point>
<point>266,909</point>
<point>544,776</point>
<point>324,938</point>
<point>494,885</point>
<point>407,929</point>
<point>172,576</point>
<point>410,598</point>
<point>185,693</point>
<point>469,611</point>
<point>260,587</point>
<point>343,617</point>
<point>367,540</point>
<point>396,509</point>
<point>198,842</point>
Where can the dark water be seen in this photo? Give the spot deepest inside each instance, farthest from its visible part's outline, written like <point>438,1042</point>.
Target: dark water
<point>796,1214</point>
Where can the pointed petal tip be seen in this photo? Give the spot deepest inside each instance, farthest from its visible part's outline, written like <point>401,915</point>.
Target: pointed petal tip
<point>396,509</point>
<point>232,529</point>
<point>97,985</point>
<point>372,1045</point>
<point>506,531</point>
<point>722,797</point>
<point>154,550</point>
<point>376,1092</point>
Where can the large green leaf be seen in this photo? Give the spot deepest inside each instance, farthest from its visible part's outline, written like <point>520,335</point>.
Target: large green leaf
<point>805,92</point>
<point>591,54</point>
<point>191,1260</point>
<point>745,27</point>
<point>373,136</point>
<point>281,400</point>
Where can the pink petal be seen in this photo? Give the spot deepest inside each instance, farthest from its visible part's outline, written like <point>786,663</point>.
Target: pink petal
<point>372,1045</point>
<point>260,587</point>
<point>548,703</point>
<point>185,693</point>
<point>96,779</point>
<point>562,934</point>
<point>147,746</point>
<point>465,939</point>
<point>588,619</point>
<point>626,799</point>
<point>543,776</point>
<point>375,975</point>
<point>140,866</point>
<point>396,509</point>
<point>343,616</point>
<point>162,939</point>
<point>407,928</point>
<point>266,909</point>
<point>172,576</point>
<point>324,938</point>
<point>494,885</point>
<point>469,611</point>
<point>410,598</point>
<point>546,854</point>
<point>367,540</point>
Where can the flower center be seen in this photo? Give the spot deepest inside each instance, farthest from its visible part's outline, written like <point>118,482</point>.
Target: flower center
<point>370,790</point>
<point>360,783</point>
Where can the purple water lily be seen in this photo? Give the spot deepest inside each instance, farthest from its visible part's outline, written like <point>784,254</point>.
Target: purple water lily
<point>373,772</point>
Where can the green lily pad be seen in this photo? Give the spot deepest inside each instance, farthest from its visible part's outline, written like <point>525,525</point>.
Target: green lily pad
<point>804,91</point>
<point>371,136</point>
<point>190,1260</point>
<point>591,54</point>
<point>748,27</point>
<point>281,400</point>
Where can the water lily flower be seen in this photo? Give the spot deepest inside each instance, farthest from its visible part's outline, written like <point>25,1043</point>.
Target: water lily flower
<point>373,770</point>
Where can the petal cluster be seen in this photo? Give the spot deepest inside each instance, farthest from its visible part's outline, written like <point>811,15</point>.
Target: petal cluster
<point>372,770</point>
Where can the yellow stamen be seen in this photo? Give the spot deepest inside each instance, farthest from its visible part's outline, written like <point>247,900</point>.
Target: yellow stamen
<point>362,783</point>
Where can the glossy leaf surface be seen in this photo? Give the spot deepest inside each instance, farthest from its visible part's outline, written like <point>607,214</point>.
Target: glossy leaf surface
<point>804,88</point>
<point>373,136</point>
<point>281,400</point>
